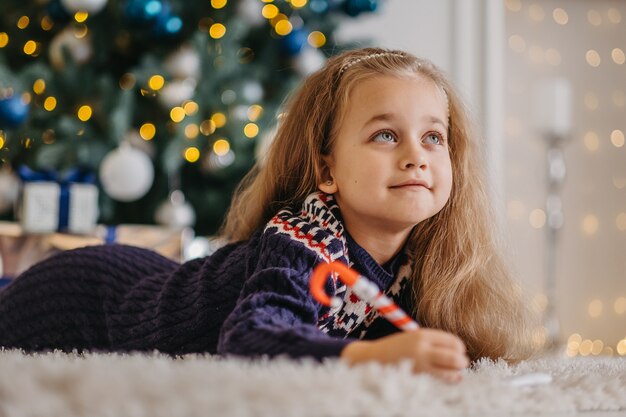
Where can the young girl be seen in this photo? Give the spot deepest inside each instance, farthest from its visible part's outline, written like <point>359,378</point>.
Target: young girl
<point>373,165</point>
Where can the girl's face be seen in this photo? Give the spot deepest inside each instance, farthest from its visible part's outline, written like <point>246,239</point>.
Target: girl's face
<point>390,165</point>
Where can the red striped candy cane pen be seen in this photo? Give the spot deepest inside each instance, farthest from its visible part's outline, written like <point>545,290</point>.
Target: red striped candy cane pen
<point>363,288</point>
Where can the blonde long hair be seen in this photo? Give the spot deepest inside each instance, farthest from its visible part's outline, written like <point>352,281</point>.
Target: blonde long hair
<point>460,282</point>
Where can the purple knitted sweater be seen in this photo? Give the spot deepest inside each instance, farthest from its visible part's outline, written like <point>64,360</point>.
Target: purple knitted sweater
<point>249,298</point>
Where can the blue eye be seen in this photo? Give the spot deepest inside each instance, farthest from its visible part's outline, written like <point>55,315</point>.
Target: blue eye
<point>433,138</point>
<point>385,137</point>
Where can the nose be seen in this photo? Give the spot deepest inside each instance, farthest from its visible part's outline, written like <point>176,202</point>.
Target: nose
<point>413,156</point>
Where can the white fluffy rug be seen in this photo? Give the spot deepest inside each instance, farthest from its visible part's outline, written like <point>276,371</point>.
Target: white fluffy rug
<point>57,384</point>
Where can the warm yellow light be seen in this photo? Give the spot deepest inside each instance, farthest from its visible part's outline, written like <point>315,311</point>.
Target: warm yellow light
<point>207,127</point>
<point>620,222</point>
<point>596,347</point>
<point>619,182</point>
<point>269,11</point>
<point>621,347</point>
<point>26,98</point>
<point>30,47</point>
<point>617,138</point>
<point>592,142</point>
<point>553,56</point>
<point>251,130</point>
<point>593,58</point>
<point>84,113</point>
<point>618,56</point>
<point>81,16</point>
<point>591,101</point>
<point>283,27</point>
<point>48,137</point>
<point>514,5</point>
<point>254,112</point>
<point>219,119</point>
<point>590,224</point>
<point>47,23</point>
<point>80,31</point>
<point>127,81</point>
<point>573,342</point>
<point>50,103</point>
<point>585,347</point>
<point>23,22</point>
<point>595,308</point>
<point>191,131</point>
<point>515,210</point>
<point>537,218</point>
<point>156,82</point>
<point>191,107</point>
<point>177,114</point>
<point>147,131</point>
<point>296,4</point>
<point>620,304</point>
<point>618,97</point>
<point>614,15</point>
<point>560,16</point>
<point>218,4</point>
<point>316,39</point>
<point>192,154</point>
<point>217,30</point>
<point>1,140</point>
<point>39,86</point>
<point>594,17</point>
<point>4,39</point>
<point>221,147</point>
<point>536,12</point>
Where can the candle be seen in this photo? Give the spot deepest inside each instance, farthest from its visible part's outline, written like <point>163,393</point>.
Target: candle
<point>553,107</point>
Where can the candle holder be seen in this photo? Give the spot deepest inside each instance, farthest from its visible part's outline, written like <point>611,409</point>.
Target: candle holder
<point>554,121</point>
<point>556,173</point>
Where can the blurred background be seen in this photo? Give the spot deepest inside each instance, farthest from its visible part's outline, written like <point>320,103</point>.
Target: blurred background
<point>161,106</point>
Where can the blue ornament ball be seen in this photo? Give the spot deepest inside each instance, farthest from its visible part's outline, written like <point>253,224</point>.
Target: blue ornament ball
<point>13,112</point>
<point>143,12</point>
<point>355,7</point>
<point>167,24</point>
<point>292,44</point>
<point>319,6</point>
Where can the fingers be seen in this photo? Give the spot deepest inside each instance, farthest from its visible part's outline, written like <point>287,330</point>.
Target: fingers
<point>448,359</point>
<point>439,338</point>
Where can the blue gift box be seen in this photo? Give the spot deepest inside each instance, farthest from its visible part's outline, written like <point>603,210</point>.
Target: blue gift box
<point>51,202</point>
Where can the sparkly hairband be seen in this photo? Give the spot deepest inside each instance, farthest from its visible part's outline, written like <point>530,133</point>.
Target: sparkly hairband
<point>364,58</point>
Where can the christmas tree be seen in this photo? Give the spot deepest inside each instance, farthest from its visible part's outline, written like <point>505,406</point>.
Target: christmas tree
<point>165,101</point>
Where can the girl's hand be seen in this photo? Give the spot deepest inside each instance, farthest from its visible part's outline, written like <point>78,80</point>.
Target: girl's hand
<point>437,352</point>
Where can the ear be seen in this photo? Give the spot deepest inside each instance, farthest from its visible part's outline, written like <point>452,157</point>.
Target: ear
<point>328,184</point>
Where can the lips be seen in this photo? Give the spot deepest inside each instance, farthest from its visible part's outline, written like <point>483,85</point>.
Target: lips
<point>414,183</point>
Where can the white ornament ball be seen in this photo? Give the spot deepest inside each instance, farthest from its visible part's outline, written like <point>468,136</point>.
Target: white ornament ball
<point>215,162</point>
<point>177,91</point>
<point>251,12</point>
<point>126,174</point>
<point>309,61</point>
<point>175,211</point>
<point>252,91</point>
<point>80,49</point>
<point>184,63</point>
<point>9,190</point>
<point>239,112</point>
<point>91,6</point>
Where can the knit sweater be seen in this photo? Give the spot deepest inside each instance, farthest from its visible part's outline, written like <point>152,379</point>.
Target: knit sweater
<point>249,298</point>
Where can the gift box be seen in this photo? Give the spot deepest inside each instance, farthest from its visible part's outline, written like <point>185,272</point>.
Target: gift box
<point>20,250</point>
<point>50,202</point>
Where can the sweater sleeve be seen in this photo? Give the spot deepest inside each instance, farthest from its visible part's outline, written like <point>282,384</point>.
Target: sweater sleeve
<point>275,313</point>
